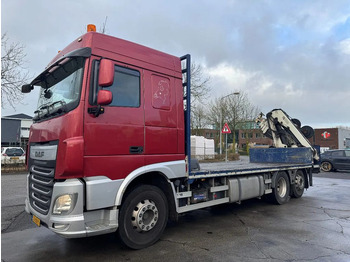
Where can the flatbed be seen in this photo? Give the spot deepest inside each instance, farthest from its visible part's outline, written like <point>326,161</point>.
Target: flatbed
<point>259,161</point>
<point>265,171</point>
<point>241,167</point>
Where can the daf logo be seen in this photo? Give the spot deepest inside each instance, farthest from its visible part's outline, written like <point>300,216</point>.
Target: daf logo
<point>39,153</point>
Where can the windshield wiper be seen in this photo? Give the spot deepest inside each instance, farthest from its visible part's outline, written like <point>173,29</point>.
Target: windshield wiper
<point>49,110</point>
<point>63,107</point>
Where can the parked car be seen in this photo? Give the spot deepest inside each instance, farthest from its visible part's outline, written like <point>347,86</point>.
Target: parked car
<point>12,155</point>
<point>335,159</point>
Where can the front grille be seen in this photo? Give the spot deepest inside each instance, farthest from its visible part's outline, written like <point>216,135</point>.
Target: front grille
<point>41,180</point>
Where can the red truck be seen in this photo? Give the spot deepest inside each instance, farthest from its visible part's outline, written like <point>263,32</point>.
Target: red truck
<point>110,146</point>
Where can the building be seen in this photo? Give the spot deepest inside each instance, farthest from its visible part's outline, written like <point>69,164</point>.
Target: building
<point>15,130</point>
<point>250,134</point>
<point>332,138</point>
<point>252,137</point>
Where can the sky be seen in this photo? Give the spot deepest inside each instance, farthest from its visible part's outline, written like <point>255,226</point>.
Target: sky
<point>289,54</point>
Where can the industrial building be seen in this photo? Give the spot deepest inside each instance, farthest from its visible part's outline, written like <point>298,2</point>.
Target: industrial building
<point>15,130</point>
<point>332,138</point>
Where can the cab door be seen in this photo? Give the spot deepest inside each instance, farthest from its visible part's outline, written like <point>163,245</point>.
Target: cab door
<point>114,140</point>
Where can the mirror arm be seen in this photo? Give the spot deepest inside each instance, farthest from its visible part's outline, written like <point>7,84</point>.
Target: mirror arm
<point>96,111</point>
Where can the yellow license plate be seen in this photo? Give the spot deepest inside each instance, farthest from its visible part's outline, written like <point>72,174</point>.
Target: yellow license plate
<point>15,157</point>
<point>36,221</point>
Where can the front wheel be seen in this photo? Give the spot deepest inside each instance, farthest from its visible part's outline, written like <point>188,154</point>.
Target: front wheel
<point>298,187</point>
<point>143,217</point>
<point>326,166</point>
<point>280,194</point>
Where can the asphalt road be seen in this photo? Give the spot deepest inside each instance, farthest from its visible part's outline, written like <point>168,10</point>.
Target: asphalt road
<point>13,193</point>
<point>313,228</point>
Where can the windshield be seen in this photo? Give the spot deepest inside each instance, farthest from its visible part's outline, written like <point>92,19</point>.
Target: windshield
<point>60,88</point>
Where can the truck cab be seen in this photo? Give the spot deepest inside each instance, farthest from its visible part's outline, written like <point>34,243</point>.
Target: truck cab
<point>109,111</point>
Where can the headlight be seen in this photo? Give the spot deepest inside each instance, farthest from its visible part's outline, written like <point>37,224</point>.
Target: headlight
<point>64,204</point>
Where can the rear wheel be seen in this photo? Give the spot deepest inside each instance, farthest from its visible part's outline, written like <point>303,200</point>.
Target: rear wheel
<point>326,166</point>
<point>143,217</point>
<point>297,188</point>
<point>280,194</point>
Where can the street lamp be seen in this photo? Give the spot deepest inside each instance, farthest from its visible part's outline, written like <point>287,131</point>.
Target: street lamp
<point>232,94</point>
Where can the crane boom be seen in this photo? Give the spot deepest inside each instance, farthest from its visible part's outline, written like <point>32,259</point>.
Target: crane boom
<point>285,131</point>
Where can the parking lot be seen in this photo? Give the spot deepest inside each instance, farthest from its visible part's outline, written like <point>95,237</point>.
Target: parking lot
<point>313,228</point>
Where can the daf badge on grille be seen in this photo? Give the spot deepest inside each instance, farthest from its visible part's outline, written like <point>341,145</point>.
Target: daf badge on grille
<point>39,153</point>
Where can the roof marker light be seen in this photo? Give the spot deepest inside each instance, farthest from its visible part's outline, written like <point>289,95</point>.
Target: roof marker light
<point>91,28</point>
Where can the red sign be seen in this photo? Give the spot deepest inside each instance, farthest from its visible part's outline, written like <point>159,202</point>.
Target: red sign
<point>226,129</point>
<point>326,135</point>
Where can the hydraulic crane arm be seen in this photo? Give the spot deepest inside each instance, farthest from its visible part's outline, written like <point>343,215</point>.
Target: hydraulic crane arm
<point>286,132</point>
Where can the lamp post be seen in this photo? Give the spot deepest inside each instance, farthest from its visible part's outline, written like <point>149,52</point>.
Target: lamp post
<point>232,94</point>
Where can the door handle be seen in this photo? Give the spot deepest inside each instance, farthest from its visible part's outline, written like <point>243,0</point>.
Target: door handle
<point>136,150</point>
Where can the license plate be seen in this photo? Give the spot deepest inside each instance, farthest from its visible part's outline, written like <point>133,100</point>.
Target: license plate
<point>15,157</point>
<point>36,221</point>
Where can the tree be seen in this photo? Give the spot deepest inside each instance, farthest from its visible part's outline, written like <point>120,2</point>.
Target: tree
<point>245,119</point>
<point>199,84</point>
<point>215,109</point>
<point>239,110</point>
<point>12,74</point>
<point>199,92</point>
<point>235,109</point>
<point>198,119</point>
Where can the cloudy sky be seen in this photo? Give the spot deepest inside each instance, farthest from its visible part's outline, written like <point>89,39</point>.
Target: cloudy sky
<point>289,54</point>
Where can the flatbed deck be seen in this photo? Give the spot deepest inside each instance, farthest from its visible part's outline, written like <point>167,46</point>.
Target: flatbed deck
<point>241,167</point>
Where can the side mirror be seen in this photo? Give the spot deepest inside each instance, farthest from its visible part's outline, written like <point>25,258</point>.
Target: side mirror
<point>106,73</point>
<point>104,97</point>
<point>27,88</point>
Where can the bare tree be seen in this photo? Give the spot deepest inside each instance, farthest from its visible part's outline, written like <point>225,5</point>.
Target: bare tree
<point>215,113</point>
<point>241,115</point>
<point>199,92</point>
<point>239,110</point>
<point>200,84</point>
<point>235,109</point>
<point>198,119</point>
<point>13,75</point>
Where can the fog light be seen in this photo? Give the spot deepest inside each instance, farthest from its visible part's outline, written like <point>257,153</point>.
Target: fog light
<point>60,226</point>
<point>64,204</point>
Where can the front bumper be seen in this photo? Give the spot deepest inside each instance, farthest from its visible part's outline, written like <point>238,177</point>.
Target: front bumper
<point>78,223</point>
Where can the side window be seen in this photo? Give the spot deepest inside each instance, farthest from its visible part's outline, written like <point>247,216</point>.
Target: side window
<point>338,153</point>
<point>126,87</point>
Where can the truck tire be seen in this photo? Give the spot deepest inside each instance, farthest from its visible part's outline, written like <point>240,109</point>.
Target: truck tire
<point>280,194</point>
<point>143,217</point>
<point>298,187</point>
